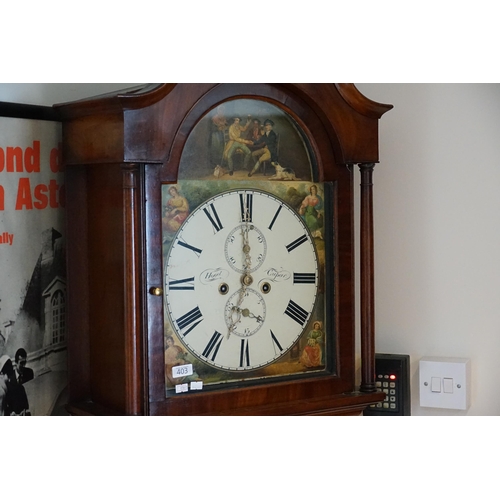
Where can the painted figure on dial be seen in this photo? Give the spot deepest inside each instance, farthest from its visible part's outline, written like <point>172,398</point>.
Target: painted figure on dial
<point>312,355</point>
<point>176,356</point>
<point>310,210</point>
<point>176,211</point>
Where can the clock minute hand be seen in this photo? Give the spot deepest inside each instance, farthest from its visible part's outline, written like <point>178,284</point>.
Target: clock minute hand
<point>234,320</point>
<point>241,312</point>
<point>236,308</point>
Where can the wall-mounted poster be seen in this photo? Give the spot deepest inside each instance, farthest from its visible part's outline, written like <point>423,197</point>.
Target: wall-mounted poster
<point>33,364</point>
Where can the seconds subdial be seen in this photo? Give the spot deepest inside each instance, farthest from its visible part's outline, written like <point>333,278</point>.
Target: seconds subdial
<point>255,246</point>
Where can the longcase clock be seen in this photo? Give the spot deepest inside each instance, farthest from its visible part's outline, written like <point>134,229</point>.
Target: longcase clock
<point>211,249</point>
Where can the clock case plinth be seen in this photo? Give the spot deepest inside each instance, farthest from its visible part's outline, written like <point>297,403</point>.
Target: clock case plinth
<point>118,150</point>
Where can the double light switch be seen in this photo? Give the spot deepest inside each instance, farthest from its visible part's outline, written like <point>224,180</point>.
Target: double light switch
<point>445,382</point>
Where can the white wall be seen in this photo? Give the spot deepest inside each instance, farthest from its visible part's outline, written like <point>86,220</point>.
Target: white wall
<point>437,227</point>
<point>437,223</point>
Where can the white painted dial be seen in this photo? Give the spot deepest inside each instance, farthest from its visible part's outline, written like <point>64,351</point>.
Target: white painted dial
<point>241,280</point>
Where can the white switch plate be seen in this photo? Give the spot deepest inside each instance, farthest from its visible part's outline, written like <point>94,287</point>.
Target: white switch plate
<point>457,369</point>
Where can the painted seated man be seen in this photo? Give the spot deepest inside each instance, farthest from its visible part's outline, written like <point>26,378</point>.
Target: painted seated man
<point>267,147</point>
<point>236,141</point>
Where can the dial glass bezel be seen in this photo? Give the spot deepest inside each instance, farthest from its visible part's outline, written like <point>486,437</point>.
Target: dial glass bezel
<point>213,377</point>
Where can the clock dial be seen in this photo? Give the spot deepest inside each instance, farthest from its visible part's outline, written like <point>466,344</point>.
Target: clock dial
<point>241,280</point>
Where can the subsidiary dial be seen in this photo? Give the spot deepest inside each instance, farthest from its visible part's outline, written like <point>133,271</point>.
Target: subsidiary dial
<point>245,243</point>
<point>245,312</point>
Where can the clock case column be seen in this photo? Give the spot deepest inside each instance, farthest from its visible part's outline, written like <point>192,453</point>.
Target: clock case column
<point>367,289</point>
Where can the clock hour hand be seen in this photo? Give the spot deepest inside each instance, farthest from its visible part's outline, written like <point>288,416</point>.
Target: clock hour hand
<point>235,319</point>
<point>247,314</point>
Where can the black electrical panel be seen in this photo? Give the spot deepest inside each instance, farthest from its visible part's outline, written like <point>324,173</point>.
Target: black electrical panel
<point>392,375</point>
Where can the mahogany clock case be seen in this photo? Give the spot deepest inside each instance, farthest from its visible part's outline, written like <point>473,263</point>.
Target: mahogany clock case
<point>119,150</point>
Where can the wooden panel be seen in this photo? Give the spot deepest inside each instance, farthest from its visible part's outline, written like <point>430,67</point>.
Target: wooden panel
<point>78,283</point>
<point>106,285</point>
<point>93,139</point>
<point>341,404</point>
